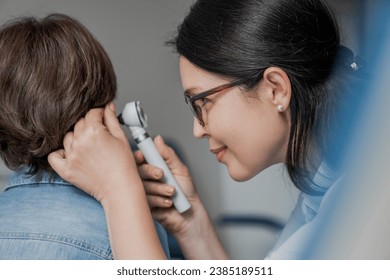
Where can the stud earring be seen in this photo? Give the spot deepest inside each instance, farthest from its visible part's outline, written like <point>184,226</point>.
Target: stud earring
<point>280,108</point>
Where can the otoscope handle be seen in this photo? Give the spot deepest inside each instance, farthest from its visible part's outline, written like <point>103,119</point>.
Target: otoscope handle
<point>153,157</point>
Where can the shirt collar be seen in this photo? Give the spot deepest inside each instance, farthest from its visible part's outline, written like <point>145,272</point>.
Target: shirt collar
<point>21,177</point>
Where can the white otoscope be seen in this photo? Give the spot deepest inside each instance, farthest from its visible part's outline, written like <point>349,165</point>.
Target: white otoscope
<point>134,117</point>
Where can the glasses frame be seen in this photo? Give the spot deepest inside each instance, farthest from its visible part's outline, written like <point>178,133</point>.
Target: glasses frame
<point>197,110</point>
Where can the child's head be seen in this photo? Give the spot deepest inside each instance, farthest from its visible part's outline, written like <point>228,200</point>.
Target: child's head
<point>52,71</point>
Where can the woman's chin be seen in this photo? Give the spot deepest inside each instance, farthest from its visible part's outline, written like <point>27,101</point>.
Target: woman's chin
<point>240,175</point>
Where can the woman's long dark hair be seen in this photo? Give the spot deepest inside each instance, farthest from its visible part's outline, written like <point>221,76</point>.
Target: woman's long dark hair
<point>241,38</point>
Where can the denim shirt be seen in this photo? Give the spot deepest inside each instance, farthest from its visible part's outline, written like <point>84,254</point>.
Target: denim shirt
<point>48,218</point>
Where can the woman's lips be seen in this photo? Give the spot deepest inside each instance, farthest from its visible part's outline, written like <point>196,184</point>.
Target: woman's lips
<point>219,152</point>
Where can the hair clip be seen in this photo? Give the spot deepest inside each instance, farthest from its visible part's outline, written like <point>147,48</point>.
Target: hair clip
<point>349,60</point>
<point>354,66</point>
<point>358,63</point>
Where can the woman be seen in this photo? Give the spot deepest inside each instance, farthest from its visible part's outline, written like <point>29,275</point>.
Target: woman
<point>261,80</point>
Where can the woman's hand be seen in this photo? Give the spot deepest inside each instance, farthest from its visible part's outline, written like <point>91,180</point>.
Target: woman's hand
<point>192,229</point>
<point>96,155</point>
<point>160,194</point>
<point>97,158</point>
<point>189,228</point>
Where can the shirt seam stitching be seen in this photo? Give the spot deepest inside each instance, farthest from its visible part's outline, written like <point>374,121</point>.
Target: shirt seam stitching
<point>106,254</point>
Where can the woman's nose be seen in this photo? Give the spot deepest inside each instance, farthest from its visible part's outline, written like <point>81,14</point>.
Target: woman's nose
<point>199,131</point>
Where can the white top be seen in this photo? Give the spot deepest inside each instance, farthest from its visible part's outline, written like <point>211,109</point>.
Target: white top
<point>305,218</point>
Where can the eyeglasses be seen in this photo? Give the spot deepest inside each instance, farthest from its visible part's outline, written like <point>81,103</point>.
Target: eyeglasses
<point>196,108</point>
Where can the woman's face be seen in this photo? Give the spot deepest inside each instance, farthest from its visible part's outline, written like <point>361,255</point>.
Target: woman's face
<point>245,130</point>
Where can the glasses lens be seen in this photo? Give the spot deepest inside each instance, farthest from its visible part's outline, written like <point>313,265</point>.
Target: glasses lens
<point>198,113</point>
<point>195,109</point>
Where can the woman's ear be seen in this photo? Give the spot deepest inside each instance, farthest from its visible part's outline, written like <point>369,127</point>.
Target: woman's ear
<point>278,84</point>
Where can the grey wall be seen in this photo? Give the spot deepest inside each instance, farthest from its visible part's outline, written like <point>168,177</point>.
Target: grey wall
<point>133,33</point>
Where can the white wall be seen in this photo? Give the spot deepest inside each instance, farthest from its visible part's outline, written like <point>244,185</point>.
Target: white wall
<point>133,33</point>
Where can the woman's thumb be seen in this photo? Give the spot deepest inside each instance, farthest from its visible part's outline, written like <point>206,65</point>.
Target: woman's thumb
<point>168,154</point>
<point>111,121</point>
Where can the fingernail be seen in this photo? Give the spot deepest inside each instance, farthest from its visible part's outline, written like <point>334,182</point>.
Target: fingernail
<point>137,153</point>
<point>157,173</point>
<point>159,138</point>
<point>168,201</point>
<point>170,190</point>
<point>111,106</point>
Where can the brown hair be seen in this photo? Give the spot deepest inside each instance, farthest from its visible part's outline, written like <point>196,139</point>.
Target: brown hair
<point>52,71</point>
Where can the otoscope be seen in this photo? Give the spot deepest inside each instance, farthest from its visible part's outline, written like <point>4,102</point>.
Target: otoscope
<point>134,117</point>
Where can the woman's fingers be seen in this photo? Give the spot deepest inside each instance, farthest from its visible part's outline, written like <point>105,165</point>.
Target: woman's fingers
<point>159,201</point>
<point>111,121</point>
<point>57,160</point>
<point>159,194</point>
<point>146,171</point>
<point>158,188</point>
<point>94,116</point>
<point>139,157</point>
<point>79,126</point>
<point>149,172</point>
<point>168,218</point>
<point>68,140</point>
<point>169,155</point>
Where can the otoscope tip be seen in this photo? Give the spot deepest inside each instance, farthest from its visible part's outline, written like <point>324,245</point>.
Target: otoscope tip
<point>120,119</point>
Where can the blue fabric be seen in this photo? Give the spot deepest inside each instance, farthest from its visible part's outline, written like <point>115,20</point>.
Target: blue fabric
<point>45,217</point>
<point>304,219</point>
